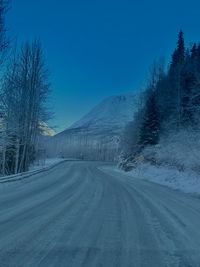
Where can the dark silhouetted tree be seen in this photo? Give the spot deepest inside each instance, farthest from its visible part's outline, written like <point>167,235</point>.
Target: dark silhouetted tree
<point>150,127</point>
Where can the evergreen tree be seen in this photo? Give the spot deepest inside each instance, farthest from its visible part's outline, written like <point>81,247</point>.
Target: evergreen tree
<point>174,76</point>
<point>150,128</point>
<point>180,48</point>
<point>188,84</point>
<point>194,53</point>
<point>178,57</point>
<point>195,92</point>
<point>172,101</point>
<point>198,56</point>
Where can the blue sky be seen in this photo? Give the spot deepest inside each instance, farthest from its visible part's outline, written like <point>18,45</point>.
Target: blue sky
<point>97,48</point>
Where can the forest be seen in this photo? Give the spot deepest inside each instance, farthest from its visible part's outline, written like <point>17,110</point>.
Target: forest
<point>23,99</point>
<point>165,129</point>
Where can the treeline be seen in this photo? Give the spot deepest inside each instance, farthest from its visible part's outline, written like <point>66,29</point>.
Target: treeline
<point>23,96</point>
<point>170,103</point>
<point>82,145</point>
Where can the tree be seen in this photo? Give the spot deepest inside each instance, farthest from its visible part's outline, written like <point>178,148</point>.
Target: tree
<point>150,128</point>
<point>187,84</point>
<point>174,76</point>
<point>4,5</point>
<point>171,105</point>
<point>25,92</point>
<point>178,57</point>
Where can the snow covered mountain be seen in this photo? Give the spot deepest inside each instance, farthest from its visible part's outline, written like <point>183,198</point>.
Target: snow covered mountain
<point>112,112</point>
<point>96,135</point>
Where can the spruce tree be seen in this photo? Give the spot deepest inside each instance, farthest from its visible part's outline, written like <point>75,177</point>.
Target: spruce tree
<point>181,48</point>
<point>188,84</point>
<point>178,57</point>
<point>190,87</point>
<point>175,89</point>
<point>194,53</point>
<point>150,128</point>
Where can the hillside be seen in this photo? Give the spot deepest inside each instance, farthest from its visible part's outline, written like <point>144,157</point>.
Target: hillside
<point>96,135</point>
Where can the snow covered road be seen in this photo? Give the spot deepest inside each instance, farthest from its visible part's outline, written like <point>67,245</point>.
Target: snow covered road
<point>78,215</point>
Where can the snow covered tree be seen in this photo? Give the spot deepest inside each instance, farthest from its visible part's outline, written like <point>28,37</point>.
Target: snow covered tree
<point>144,130</point>
<point>4,5</point>
<point>25,92</point>
<point>171,106</point>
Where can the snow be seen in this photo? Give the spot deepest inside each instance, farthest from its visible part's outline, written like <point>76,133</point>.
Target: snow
<point>185,181</point>
<point>45,163</point>
<point>174,162</point>
<point>97,134</point>
<point>115,111</point>
<point>34,169</point>
<point>181,150</point>
<point>75,215</point>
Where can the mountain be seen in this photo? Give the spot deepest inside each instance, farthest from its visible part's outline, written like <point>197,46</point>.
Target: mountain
<point>112,112</point>
<point>97,134</point>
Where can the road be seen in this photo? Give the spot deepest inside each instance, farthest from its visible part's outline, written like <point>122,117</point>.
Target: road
<point>79,215</point>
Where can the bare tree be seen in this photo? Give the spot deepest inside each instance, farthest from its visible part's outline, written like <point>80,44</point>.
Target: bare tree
<point>4,42</point>
<point>25,92</point>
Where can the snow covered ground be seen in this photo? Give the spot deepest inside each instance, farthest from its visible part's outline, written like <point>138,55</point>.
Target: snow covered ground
<point>79,216</point>
<point>34,169</point>
<point>45,163</point>
<point>185,181</point>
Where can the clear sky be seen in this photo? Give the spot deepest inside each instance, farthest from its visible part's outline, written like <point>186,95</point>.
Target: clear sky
<point>97,48</point>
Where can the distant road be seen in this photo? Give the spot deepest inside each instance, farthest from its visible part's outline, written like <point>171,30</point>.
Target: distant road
<point>76,215</point>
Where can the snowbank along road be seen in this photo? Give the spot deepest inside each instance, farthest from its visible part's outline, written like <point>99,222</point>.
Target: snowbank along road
<point>77,215</point>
